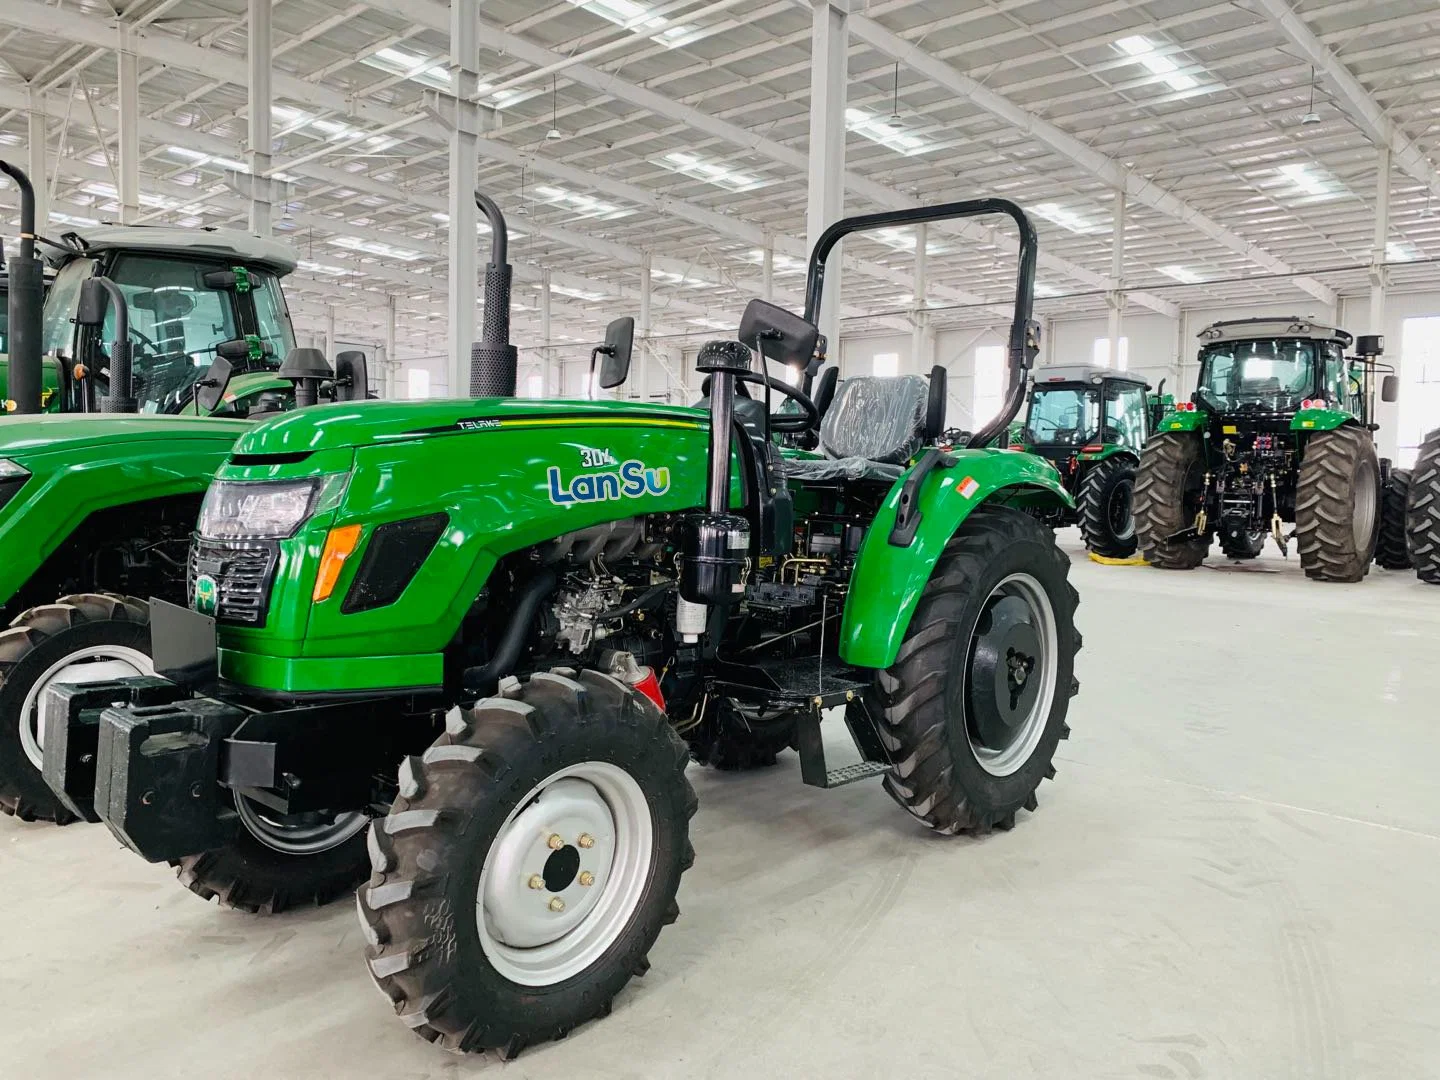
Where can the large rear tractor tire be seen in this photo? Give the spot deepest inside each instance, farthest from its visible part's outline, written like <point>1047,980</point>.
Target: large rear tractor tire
<point>88,637</point>
<point>974,706</point>
<point>529,864</point>
<point>1169,492</point>
<point>275,863</point>
<point>1391,550</point>
<point>1106,506</point>
<point>1337,505</point>
<point>1422,511</point>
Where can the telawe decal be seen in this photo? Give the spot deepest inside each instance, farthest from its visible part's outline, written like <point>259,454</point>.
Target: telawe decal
<point>633,480</point>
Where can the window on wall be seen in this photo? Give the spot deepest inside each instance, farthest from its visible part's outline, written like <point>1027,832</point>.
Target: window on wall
<point>418,382</point>
<point>1102,353</point>
<point>1419,384</point>
<point>989,383</point>
<point>534,386</point>
<point>887,363</point>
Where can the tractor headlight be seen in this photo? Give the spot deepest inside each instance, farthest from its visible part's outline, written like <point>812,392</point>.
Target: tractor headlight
<point>13,470</point>
<point>265,509</point>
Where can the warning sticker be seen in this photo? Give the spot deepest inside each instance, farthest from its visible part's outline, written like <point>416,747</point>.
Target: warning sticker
<point>967,487</point>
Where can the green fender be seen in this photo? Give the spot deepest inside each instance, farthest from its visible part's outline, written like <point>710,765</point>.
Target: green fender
<point>888,580</point>
<point>1190,420</point>
<point>1321,419</point>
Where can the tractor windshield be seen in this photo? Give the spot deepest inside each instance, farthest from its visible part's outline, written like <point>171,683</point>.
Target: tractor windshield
<point>1257,376</point>
<point>1063,416</point>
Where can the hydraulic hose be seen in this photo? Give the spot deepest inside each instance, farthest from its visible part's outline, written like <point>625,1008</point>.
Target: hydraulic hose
<point>482,679</point>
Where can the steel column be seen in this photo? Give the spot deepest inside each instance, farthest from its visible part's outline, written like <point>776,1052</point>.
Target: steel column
<point>1379,275</point>
<point>464,170</point>
<point>642,381</point>
<point>261,60</point>
<point>129,142</point>
<point>1115,300</point>
<point>549,383</point>
<point>39,171</point>
<point>829,71</point>
<point>919,313</point>
<point>392,362</point>
<point>767,272</point>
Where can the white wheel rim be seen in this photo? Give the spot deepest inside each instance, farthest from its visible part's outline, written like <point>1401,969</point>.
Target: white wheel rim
<point>95,663</point>
<point>301,834</point>
<point>588,821</point>
<point>1006,759</point>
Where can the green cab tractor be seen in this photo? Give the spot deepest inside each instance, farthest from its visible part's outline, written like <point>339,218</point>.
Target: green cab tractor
<point>1091,424</point>
<point>458,647</point>
<point>100,485</point>
<point>1280,430</point>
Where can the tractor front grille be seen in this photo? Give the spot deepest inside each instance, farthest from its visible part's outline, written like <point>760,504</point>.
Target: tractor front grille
<point>243,571</point>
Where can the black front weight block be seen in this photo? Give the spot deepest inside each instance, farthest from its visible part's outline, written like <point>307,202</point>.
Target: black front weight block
<point>72,732</point>
<point>156,774</point>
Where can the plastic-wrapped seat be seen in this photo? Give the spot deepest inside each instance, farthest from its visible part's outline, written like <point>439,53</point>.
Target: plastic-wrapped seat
<point>874,427</point>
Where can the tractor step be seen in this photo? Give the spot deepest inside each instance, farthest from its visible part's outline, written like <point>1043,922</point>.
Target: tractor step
<point>848,774</point>
<point>811,744</point>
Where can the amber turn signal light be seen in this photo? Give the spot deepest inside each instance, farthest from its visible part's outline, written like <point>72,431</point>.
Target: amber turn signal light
<point>339,546</point>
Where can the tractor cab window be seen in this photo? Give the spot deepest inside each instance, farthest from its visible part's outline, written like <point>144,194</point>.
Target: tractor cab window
<point>1063,416</point>
<point>1125,415</point>
<point>1337,374</point>
<point>260,402</point>
<point>57,330</point>
<point>1257,376</point>
<point>177,321</point>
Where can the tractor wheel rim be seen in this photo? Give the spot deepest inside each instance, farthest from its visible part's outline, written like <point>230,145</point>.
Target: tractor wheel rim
<point>298,834</point>
<point>1363,523</point>
<point>95,663</point>
<point>1014,670</point>
<point>565,874</point>
<point>1122,510</point>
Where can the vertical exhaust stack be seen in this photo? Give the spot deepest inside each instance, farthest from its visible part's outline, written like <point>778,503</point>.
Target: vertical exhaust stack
<point>494,362</point>
<point>27,297</point>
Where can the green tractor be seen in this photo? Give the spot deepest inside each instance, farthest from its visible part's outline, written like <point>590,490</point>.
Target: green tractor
<point>487,627</point>
<point>102,471</point>
<point>1280,430</point>
<point>1091,424</point>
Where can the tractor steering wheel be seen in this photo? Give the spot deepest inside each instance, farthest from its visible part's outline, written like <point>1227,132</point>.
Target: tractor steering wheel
<point>807,419</point>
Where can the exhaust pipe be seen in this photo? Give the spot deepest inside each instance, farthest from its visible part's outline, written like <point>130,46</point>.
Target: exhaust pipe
<point>494,362</point>
<point>27,298</point>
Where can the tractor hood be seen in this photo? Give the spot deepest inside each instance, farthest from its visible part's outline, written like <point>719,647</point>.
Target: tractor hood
<point>22,436</point>
<point>361,423</point>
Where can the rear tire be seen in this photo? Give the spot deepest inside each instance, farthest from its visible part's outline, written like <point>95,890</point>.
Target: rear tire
<point>964,763</point>
<point>1106,507</point>
<point>726,740</point>
<point>57,643</point>
<point>474,962</point>
<point>1168,493</point>
<point>1337,502</point>
<point>1391,549</point>
<point>1422,511</point>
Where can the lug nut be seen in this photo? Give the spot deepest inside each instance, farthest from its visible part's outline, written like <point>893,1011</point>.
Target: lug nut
<point>587,878</point>
<point>586,840</point>
<point>536,881</point>
<point>555,842</point>
<point>556,904</point>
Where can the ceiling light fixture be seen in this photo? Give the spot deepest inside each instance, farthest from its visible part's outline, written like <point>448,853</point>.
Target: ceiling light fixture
<point>1311,116</point>
<point>895,121</point>
<point>554,132</point>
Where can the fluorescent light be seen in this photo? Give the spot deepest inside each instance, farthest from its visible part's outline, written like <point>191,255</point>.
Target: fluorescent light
<point>709,171</point>
<point>1068,219</point>
<point>887,134</point>
<point>1182,275</point>
<point>1143,51</point>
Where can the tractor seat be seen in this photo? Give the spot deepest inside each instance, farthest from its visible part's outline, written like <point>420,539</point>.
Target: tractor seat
<point>874,427</point>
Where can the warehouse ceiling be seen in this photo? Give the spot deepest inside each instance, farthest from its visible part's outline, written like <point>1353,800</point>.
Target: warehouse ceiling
<point>1245,133</point>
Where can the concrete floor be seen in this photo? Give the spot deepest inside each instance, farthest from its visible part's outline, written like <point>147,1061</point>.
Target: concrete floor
<point>1235,874</point>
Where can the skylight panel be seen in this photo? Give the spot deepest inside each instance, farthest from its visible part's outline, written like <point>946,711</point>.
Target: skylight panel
<point>1142,50</point>
<point>374,247</point>
<point>427,70</point>
<point>710,172</point>
<point>1065,218</point>
<point>1182,275</point>
<point>887,133</point>
<point>586,206</point>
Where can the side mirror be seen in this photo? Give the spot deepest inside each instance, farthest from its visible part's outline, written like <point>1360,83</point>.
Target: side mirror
<point>1390,388</point>
<point>93,298</point>
<point>780,335</point>
<point>238,349</point>
<point>210,389</point>
<point>352,376</point>
<point>220,279</point>
<point>616,352</point>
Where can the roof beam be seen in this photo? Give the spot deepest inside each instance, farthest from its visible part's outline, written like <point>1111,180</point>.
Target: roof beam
<point>1358,103</point>
<point>1062,142</point>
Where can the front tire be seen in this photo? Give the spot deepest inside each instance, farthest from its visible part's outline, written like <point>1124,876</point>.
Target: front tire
<point>1337,499</point>
<point>974,706</point>
<point>1422,511</point>
<point>87,637</point>
<point>1391,549</point>
<point>481,928</point>
<point>1107,508</point>
<point>1169,493</point>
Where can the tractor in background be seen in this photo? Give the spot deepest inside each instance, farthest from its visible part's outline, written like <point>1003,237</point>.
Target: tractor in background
<point>1280,430</point>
